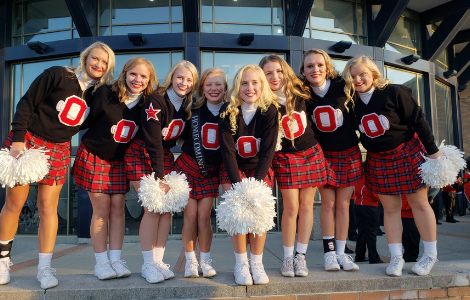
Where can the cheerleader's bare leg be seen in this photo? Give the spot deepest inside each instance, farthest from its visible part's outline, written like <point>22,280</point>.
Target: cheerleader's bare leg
<point>204,235</point>
<point>48,199</point>
<point>189,232</point>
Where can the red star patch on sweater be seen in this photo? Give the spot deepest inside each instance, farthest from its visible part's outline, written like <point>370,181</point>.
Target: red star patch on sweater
<point>152,113</point>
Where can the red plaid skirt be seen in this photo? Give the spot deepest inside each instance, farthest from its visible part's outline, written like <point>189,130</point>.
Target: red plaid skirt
<point>201,187</point>
<point>99,175</point>
<point>395,171</point>
<point>301,169</point>
<point>223,175</point>
<point>346,165</point>
<point>138,160</point>
<point>59,156</point>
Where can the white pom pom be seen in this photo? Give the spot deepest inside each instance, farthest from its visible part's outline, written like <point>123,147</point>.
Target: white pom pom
<point>150,194</point>
<point>248,208</point>
<point>155,199</point>
<point>7,168</point>
<point>178,195</point>
<point>443,170</point>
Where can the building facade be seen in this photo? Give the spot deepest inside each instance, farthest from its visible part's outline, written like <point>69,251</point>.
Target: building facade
<point>421,45</point>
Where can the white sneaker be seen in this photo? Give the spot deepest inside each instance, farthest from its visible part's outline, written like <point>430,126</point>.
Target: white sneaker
<point>287,269</point>
<point>347,263</point>
<point>5,271</point>
<point>165,270</point>
<point>46,278</point>
<point>300,265</point>
<point>190,269</point>
<point>103,270</point>
<point>424,265</point>
<point>151,273</point>
<point>207,269</point>
<point>395,267</point>
<point>331,262</point>
<point>259,274</point>
<point>242,273</point>
<point>120,267</point>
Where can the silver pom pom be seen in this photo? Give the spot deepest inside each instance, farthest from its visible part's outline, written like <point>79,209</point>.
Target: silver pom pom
<point>155,199</point>
<point>443,170</point>
<point>30,167</point>
<point>248,208</point>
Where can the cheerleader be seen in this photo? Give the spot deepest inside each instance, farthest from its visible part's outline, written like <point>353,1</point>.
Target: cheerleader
<point>99,166</point>
<point>333,116</point>
<point>202,170</point>
<point>44,119</point>
<point>395,133</point>
<point>248,127</point>
<point>299,165</point>
<point>163,118</point>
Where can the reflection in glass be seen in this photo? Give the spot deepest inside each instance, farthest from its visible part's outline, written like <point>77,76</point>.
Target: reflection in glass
<point>444,119</point>
<point>176,27</point>
<point>46,15</point>
<point>206,27</point>
<point>339,65</point>
<point>206,10</point>
<point>243,11</point>
<point>399,49</point>
<point>149,29</point>
<point>333,15</point>
<point>233,28</point>
<point>176,11</point>
<point>331,36</point>
<point>48,37</point>
<point>139,11</point>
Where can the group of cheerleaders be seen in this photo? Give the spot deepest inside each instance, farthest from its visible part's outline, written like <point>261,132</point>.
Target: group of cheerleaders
<point>270,123</point>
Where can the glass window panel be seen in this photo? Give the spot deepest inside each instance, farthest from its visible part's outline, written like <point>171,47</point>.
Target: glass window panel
<point>278,12</point>
<point>17,41</point>
<point>48,37</point>
<point>29,216</point>
<point>160,61</point>
<point>404,33</point>
<point>232,28</point>
<point>46,16</point>
<point>73,203</point>
<point>140,11</point>
<point>333,15</point>
<point>442,60</point>
<point>105,8</point>
<point>176,27</point>
<point>150,29</point>
<point>339,65</point>
<point>442,96</point>
<point>243,11</point>
<point>306,33</point>
<point>16,85</point>
<point>407,79</point>
<point>76,140</point>
<point>176,11</point>
<point>360,21</point>
<point>207,60</point>
<point>207,27</point>
<point>17,18</point>
<point>105,31</point>
<point>421,102</point>
<point>175,57</point>
<point>133,212</point>
<point>399,49</point>
<point>206,10</point>
<point>331,36</point>
<point>75,34</point>
<point>278,30</point>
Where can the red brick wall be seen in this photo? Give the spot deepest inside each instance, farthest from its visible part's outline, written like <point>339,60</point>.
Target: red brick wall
<point>465,114</point>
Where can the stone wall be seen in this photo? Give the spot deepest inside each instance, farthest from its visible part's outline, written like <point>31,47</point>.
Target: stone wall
<point>465,114</point>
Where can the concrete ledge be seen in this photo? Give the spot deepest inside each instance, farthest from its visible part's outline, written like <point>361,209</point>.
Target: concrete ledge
<point>369,278</point>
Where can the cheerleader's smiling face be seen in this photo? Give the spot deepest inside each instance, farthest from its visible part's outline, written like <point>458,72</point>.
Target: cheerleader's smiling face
<point>250,87</point>
<point>214,88</point>
<point>315,69</point>
<point>182,82</point>
<point>97,63</point>
<point>363,78</point>
<point>274,75</point>
<point>137,79</point>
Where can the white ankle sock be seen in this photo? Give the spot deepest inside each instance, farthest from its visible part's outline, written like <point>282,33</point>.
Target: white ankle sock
<point>256,258</point>
<point>100,257</point>
<point>205,256</point>
<point>148,256</point>
<point>340,245</point>
<point>115,254</point>
<point>430,248</point>
<point>395,249</point>
<point>158,254</point>
<point>241,257</point>
<point>190,255</point>
<point>44,260</point>
<point>301,248</point>
<point>288,252</point>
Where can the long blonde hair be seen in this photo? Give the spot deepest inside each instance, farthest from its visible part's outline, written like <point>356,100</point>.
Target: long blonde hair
<point>378,81</point>
<point>331,73</point>
<point>120,86</point>
<point>108,76</point>
<point>169,79</point>
<point>266,98</point>
<point>201,98</point>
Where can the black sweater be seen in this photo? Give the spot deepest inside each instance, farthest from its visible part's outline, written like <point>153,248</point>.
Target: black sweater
<point>335,123</point>
<point>112,125</point>
<point>161,127</point>
<point>304,135</point>
<point>53,107</point>
<point>391,118</point>
<point>253,145</point>
<point>209,133</point>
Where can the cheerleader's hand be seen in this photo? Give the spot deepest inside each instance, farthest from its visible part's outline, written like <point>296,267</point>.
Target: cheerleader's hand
<point>164,187</point>
<point>16,149</point>
<point>436,155</point>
